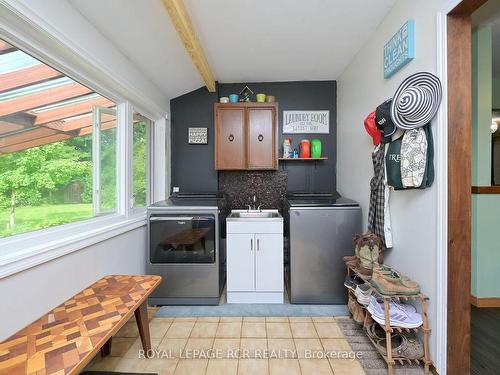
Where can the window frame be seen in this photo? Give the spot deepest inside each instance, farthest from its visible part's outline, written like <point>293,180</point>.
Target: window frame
<point>97,160</point>
<point>51,243</point>
<point>149,163</point>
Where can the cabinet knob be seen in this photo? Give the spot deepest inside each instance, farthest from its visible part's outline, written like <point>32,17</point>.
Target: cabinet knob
<point>260,137</point>
<point>231,137</point>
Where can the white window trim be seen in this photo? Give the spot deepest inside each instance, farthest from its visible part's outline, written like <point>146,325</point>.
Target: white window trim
<point>19,26</point>
<point>60,240</point>
<point>150,163</point>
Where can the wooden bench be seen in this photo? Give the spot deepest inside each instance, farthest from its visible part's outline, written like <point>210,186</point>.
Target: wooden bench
<point>66,339</point>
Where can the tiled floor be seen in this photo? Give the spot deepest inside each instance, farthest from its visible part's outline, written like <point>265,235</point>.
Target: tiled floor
<point>209,346</point>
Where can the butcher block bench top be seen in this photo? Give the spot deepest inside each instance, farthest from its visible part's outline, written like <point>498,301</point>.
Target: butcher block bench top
<point>66,339</point>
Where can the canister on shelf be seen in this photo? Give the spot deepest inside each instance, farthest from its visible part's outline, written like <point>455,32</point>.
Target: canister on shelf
<point>305,149</point>
<point>315,148</point>
<point>287,148</point>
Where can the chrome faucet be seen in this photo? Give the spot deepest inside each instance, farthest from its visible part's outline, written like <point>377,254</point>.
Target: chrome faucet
<point>254,206</point>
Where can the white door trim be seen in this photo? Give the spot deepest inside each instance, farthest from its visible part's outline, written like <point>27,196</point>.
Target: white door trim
<point>442,192</point>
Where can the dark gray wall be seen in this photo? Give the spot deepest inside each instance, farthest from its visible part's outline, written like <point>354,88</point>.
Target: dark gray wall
<point>302,95</point>
<point>193,165</point>
<point>193,168</point>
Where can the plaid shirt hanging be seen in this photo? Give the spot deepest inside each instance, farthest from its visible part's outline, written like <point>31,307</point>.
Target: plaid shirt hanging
<point>377,193</point>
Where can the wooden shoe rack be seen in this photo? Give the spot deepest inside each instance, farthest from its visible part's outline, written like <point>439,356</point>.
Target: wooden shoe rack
<point>389,330</point>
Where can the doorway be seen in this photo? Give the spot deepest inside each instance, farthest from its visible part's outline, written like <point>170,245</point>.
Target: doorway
<point>460,107</point>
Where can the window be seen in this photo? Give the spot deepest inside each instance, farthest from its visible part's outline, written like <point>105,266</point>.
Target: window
<point>58,142</point>
<point>140,167</point>
<point>104,139</point>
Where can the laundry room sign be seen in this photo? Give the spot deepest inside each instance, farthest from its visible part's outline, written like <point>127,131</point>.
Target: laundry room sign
<point>306,122</point>
<point>400,49</point>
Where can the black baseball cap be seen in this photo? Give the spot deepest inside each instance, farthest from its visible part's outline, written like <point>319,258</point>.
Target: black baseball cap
<point>384,122</point>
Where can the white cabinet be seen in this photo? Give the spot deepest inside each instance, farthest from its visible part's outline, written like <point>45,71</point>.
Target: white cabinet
<point>268,262</point>
<point>255,262</point>
<point>241,262</point>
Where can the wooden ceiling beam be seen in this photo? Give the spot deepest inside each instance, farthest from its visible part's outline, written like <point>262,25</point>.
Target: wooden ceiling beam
<point>182,23</point>
<point>27,76</point>
<point>42,98</point>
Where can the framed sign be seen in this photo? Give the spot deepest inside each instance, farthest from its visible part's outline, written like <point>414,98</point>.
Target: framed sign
<point>198,136</point>
<point>400,49</point>
<point>306,122</point>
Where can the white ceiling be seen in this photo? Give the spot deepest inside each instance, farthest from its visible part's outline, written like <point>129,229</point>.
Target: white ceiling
<point>244,41</point>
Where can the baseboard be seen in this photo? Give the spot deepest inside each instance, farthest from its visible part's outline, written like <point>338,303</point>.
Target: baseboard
<point>485,302</point>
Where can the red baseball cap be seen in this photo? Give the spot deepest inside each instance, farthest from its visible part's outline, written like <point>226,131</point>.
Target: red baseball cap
<point>371,128</point>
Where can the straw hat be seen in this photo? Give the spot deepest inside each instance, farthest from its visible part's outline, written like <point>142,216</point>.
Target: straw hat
<point>416,101</point>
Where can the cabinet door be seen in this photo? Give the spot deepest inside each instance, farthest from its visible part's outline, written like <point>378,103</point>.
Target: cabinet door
<point>240,262</point>
<point>269,262</point>
<point>230,145</point>
<point>262,138</point>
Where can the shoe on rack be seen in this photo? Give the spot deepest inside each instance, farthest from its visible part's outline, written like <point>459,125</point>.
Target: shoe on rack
<point>351,261</point>
<point>403,306</point>
<point>376,332</point>
<point>404,345</point>
<point>352,282</point>
<point>414,346</point>
<point>392,283</point>
<point>363,293</point>
<point>368,249</point>
<point>399,316</point>
<point>356,310</point>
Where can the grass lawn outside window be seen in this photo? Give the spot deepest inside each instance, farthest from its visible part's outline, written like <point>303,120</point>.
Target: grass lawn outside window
<point>45,216</point>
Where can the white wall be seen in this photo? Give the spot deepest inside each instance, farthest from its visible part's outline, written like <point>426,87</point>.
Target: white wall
<point>361,88</point>
<point>29,294</point>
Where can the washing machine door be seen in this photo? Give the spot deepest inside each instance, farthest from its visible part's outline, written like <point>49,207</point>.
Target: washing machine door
<point>182,239</point>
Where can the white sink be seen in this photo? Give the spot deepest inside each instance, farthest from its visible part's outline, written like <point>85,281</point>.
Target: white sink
<point>239,215</point>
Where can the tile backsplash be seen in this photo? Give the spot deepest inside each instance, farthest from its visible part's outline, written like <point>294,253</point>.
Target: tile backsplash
<point>269,188</point>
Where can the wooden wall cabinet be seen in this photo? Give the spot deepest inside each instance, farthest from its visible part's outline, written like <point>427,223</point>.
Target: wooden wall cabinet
<point>246,136</point>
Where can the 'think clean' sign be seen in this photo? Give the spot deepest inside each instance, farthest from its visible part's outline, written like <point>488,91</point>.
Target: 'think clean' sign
<point>400,49</point>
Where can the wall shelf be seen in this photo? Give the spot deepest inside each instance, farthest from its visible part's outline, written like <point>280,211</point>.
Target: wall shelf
<point>301,159</point>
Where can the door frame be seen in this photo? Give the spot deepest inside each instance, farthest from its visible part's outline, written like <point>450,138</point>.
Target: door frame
<point>454,184</point>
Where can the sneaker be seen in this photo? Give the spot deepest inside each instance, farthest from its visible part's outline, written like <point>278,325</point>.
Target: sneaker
<point>398,316</point>
<point>363,293</point>
<point>392,283</point>
<point>352,282</point>
<point>403,306</point>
